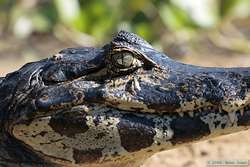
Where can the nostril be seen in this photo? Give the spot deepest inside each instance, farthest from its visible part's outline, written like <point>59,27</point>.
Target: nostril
<point>57,57</point>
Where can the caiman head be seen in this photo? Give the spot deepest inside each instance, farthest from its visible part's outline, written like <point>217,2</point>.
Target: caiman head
<point>117,105</point>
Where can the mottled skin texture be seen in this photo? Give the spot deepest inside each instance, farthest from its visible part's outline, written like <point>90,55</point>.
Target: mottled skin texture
<point>115,106</point>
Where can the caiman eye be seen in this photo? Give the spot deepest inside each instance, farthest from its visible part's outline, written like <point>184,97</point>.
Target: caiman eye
<point>123,59</point>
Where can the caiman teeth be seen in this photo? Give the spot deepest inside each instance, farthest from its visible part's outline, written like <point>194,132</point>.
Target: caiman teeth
<point>191,113</point>
<point>241,111</point>
<point>137,85</point>
<point>231,116</point>
<point>220,109</point>
<point>181,114</point>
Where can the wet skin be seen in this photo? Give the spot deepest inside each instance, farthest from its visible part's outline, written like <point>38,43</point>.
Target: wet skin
<point>115,106</point>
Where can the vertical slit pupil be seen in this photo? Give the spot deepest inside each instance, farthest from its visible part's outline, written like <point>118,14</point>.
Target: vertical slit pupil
<point>124,59</point>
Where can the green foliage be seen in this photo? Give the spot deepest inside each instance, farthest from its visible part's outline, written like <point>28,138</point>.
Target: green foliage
<point>175,18</point>
<point>44,17</point>
<point>100,18</point>
<point>227,6</point>
<point>230,7</point>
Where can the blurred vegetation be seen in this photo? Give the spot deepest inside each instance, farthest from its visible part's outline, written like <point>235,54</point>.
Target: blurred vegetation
<point>89,22</point>
<point>100,18</point>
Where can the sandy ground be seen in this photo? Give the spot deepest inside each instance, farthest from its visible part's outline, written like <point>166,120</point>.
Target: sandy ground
<point>13,54</point>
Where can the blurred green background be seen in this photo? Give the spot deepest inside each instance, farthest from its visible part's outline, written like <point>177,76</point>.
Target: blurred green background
<point>201,32</point>
<point>98,19</point>
<point>190,31</point>
<point>31,29</point>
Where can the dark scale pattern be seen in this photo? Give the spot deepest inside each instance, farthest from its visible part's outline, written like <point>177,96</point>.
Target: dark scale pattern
<point>213,91</point>
<point>188,129</point>
<point>69,124</point>
<point>135,132</point>
<point>87,156</point>
<point>244,120</point>
<point>158,99</point>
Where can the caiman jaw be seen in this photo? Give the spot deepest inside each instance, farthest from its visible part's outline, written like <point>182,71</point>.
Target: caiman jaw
<point>121,105</point>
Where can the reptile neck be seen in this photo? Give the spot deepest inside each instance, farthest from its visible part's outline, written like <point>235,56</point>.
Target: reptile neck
<point>14,154</point>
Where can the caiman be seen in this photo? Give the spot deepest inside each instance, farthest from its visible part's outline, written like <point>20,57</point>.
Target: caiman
<point>115,106</point>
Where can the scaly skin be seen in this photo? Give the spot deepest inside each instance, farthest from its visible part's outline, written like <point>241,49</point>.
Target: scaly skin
<point>115,106</point>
